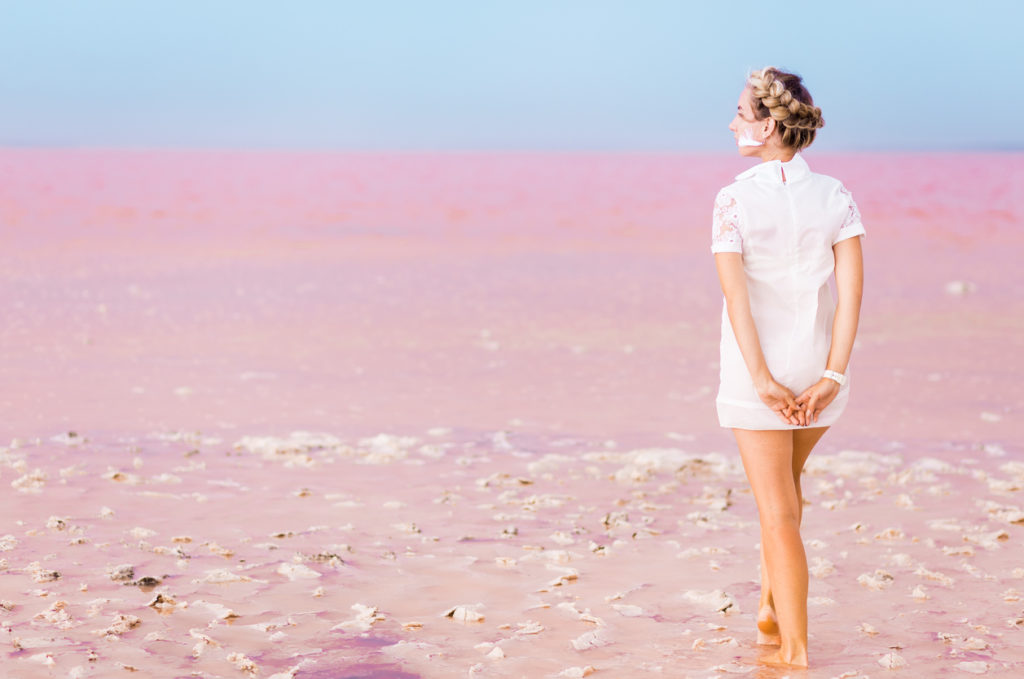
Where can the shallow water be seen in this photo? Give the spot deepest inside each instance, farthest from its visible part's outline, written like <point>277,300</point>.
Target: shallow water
<point>520,328</point>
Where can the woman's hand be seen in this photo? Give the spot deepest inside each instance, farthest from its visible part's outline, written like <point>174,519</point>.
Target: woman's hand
<point>781,400</point>
<point>817,397</point>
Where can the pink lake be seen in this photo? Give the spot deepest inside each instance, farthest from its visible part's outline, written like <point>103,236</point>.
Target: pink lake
<point>482,343</point>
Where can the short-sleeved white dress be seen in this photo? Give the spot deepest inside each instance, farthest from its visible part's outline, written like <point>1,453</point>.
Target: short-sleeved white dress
<point>784,220</point>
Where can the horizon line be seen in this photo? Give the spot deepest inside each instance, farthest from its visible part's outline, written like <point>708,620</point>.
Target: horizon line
<point>383,150</point>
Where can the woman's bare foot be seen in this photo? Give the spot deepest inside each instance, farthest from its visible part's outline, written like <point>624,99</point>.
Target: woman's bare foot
<point>767,627</point>
<point>787,660</point>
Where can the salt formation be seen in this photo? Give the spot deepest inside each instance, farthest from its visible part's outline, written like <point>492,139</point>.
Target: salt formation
<point>243,664</point>
<point>593,639</point>
<point>878,580</point>
<point>892,661</point>
<point>716,600</point>
<point>120,625</point>
<point>121,573</point>
<point>464,613</point>
<point>296,571</point>
<point>973,666</point>
<point>365,618</point>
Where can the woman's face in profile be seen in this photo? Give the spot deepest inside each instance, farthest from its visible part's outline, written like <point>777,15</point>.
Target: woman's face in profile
<point>747,130</point>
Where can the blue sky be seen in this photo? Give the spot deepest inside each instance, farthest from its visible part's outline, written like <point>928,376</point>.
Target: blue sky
<point>649,75</point>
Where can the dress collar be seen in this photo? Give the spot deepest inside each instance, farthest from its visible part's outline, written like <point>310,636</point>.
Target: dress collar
<point>771,171</point>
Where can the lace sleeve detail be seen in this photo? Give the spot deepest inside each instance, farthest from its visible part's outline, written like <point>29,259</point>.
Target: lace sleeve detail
<point>725,230</point>
<point>851,225</point>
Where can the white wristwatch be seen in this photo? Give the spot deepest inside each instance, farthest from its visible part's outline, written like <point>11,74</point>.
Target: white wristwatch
<point>838,378</point>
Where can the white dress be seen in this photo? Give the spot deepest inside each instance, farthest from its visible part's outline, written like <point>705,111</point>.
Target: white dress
<point>785,230</point>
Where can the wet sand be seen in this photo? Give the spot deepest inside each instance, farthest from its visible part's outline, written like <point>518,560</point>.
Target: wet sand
<point>508,366</point>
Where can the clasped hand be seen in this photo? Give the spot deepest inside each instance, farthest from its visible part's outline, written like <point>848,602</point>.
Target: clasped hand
<point>802,410</point>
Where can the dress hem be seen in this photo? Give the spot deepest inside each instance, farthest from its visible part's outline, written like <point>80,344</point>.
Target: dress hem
<point>734,414</point>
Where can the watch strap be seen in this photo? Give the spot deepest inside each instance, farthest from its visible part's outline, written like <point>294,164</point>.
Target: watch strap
<point>838,378</point>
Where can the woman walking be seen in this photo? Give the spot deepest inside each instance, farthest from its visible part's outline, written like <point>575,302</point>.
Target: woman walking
<point>780,233</point>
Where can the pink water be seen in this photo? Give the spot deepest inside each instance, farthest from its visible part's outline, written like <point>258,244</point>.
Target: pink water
<point>515,306</point>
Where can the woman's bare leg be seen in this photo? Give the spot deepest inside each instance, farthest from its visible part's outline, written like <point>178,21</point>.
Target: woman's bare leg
<point>804,441</point>
<point>770,458</point>
<point>767,622</point>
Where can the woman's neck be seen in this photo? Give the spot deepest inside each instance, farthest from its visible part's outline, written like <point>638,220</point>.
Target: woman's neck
<point>769,153</point>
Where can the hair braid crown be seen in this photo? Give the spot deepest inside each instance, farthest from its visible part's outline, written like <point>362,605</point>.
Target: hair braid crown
<point>796,115</point>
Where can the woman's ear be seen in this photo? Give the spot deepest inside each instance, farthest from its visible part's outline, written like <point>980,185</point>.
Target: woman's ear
<point>769,127</point>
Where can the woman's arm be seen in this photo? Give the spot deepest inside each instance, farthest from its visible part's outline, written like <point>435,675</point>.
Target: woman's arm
<point>850,287</point>
<point>737,304</point>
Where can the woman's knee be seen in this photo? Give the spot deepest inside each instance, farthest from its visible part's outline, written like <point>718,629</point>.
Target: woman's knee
<point>780,519</point>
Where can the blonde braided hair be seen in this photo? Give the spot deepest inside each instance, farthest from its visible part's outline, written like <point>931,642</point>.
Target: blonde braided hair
<point>783,96</point>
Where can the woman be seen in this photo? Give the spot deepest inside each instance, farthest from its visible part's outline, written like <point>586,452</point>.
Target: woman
<point>780,233</point>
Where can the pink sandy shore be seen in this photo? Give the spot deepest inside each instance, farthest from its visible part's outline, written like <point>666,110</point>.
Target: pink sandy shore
<point>508,363</point>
